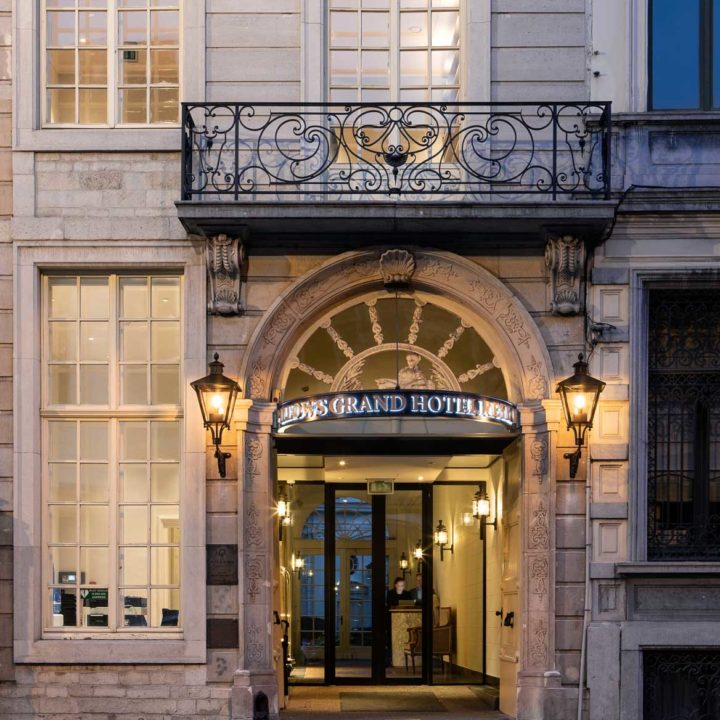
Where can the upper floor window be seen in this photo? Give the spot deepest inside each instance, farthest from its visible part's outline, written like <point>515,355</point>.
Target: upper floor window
<point>387,50</point>
<point>112,448</point>
<point>684,425</point>
<point>111,62</point>
<point>684,58</point>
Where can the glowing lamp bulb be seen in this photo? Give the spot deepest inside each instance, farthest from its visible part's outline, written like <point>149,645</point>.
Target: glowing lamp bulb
<point>217,404</point>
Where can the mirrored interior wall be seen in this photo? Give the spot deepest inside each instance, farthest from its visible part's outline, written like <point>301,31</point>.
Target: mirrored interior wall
<point>454,586</point>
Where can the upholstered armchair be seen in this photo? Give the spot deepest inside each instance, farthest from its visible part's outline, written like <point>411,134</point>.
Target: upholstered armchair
<point>442,638</point>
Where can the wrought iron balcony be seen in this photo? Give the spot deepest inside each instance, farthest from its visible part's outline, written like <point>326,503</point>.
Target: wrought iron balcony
<point>466,152</point>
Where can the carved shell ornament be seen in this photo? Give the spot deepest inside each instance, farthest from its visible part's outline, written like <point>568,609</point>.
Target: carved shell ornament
<point>397,268</point>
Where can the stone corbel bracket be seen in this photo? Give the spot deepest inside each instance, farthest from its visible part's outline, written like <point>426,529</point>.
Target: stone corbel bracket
<point>565,258</point>
<point>225,259</point>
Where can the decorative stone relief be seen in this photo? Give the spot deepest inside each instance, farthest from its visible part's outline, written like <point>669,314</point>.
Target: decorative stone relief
<point>539,574</point>
<point>254,565</point>
<point>375,321</point>
<point>539,536</point>
<point>565,257</point>
<point>539,455</point>
<point>397,268</point>
<point>538,643</point>
<point>225,257</point>
<point>101,180</point>
<point>253,453</point>
<point>254,648</point>
<point>254,535</point>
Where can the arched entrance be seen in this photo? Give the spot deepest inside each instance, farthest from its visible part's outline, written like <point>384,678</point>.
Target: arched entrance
<point>272,367</point>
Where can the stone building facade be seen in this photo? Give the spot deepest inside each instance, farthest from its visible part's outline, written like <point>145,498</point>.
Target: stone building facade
<point>613,576</point>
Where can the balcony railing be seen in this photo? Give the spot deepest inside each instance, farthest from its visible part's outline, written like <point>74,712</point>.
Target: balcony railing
<point>471,152</point>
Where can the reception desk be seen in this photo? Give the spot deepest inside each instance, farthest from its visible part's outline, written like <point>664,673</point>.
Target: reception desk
<point>400,620</point>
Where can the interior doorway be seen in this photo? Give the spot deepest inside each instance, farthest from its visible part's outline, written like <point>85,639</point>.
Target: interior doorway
<point>372,592</point>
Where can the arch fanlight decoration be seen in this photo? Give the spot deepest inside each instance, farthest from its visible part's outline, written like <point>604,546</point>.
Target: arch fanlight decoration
<point>397,354</point>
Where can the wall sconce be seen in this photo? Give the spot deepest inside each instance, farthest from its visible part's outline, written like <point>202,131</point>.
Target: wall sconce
<point>283,512</point>
<point>216,395</point>
<point>404,565</point>
<point>418,553</point>
<point>481,508</point>
<point>297,563</point>
<point>442,539</point>
<point>579,395</point>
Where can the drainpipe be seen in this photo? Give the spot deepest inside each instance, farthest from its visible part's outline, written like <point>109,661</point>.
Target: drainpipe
<point>588,590</point>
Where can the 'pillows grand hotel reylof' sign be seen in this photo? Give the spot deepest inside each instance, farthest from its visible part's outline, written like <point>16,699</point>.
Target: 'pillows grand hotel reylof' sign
<point>398,403</point>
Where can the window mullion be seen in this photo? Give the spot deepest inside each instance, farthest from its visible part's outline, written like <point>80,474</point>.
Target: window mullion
<point>112,60</point>
<point>113,544</point>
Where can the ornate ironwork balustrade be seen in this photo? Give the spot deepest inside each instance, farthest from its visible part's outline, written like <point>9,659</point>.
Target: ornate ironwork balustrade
<point>467,152</point>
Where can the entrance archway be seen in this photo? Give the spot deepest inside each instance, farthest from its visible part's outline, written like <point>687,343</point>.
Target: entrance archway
<point>485,304</point>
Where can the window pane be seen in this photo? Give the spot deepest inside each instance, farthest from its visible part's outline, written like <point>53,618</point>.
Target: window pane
<point>93,384</point>
<point>133,66</point>
<point>63,341</point>
<point>165,297</point>
<point>61,478</point>
<point>93,441</point>
<point>165,566</point>
<point>445,29</point>
<point>165,440</point>
<point>60,106</point>
<point>165,385</point>
<point>413,30</point>
<point>164,66</point>
<point>133,341</point>
<point>94,524</point>
<point>165,523</point>
<point>375,29</point>
<point>62,380</point>
<point>134,608</point>
<point>134,524</point>
<point>92,28</point>
<point>716,53</point>
<point>134,483</point>
<point>63,297</point>
<point>94,341</point>
<point>63,565</point>
<point>165,483</point>
<point>93,67</point>
<point>94,298</point>
<point>165,608</point>
<point>413,67</point>
<point>60,29</point>
<point>94,562</point>
<point>61,3</point>
<point>133,441</point>
<point>133,381</point>
<point>166,342</point>
<point>134,297</point>
<point>61,67</point>
<point>675,67</point>
<point>133,28</point>
<point>93,106</point>
<point>133,106</point>
<point>445,67</point>
<point>343,29</point>
<point>445,3</point>
<point>164,27</point>
<point>63,524</point>
<point>375,67</point>
<point>133,566</point>
<point>62,440</point>
<point>164,105</point>
<point>343,67</point>
<point>93,482</point>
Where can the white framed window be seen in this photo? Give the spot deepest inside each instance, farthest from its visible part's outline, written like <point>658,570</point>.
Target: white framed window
<point>112,452</point>
<point>387,50</point>
<point>138,466</point>
<point>110,63</point>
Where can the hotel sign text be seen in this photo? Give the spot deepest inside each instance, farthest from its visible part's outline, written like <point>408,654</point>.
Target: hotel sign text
<point>399,403</point>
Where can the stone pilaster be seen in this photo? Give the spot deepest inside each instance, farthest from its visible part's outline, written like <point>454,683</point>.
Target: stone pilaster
<point>255,674</point>
<point>537,672</point>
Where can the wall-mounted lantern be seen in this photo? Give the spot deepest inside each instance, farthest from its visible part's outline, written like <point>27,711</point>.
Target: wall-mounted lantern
<point>216,395</point>
<point>283,512</point>
<point>404,564</point>
<point>579,395</point>
<point>297,563</point>
<point>481,508</point>
<point>442,540</point>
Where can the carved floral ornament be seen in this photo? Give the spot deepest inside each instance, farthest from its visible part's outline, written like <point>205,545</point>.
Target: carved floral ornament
<point>453,280</point>
<point>225,258</point>
<point>565,258</point>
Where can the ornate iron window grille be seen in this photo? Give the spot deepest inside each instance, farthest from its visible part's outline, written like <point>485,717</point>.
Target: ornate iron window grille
<point>684,425</point>
<point>681,685</point>
<point>241,151</point>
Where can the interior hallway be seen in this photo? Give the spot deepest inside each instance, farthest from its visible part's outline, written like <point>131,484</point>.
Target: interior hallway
<point>420,701</point>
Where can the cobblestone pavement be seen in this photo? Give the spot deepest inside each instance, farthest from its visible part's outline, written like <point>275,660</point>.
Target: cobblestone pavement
<point>323,703</point>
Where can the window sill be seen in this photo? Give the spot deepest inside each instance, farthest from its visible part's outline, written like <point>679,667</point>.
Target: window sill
<point>666,567</point>
<point>93,649</point>
<point>86,139</point>
<point>666,117</point>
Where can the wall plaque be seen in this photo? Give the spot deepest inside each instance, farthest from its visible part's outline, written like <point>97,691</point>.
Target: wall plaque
<point>222,565</point>
<point>222,633</point>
